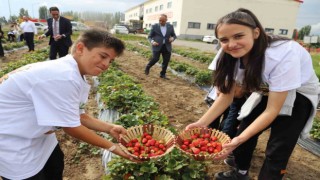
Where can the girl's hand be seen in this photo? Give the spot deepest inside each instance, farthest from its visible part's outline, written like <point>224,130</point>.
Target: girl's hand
<point>194,125</point>
<point>116,130</point>
<point>227,149</point>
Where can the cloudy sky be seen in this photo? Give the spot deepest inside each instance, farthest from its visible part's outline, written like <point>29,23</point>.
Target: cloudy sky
<point>309,13</point>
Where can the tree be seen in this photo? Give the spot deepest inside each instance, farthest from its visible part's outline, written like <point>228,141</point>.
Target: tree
<point>13,19</point>
<point>117,17</point>
<point>23,12</point>
<point>43,12</point>
<point>305,31</point>
<point>3,20</point>
<point>295,34</point>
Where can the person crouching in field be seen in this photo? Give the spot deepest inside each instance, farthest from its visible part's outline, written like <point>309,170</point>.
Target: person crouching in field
<point>39,98</point>
<point>285,92</point>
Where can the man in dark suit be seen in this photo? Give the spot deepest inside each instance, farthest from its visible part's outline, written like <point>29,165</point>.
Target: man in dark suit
<point>59,30</point>
<point>161,36</point>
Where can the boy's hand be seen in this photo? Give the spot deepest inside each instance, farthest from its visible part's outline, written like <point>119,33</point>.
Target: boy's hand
<point>116,130</point>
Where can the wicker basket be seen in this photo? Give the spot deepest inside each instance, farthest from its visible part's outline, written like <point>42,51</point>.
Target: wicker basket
<point>157,132</point>
<point>222,138</point>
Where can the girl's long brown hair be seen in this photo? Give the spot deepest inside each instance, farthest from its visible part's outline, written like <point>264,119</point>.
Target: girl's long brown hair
<point>224,75</point>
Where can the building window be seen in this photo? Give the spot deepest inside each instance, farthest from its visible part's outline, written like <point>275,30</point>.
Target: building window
<point>211,26</point>
<point>283,31</point>
<point>193,25</point>
<point>156,9</point>
<point>174,23</point>
<point>147,11</point>
<point>161,7</point>
<point>150,10</point>
<point>169,5</point>
<point>269,30</point>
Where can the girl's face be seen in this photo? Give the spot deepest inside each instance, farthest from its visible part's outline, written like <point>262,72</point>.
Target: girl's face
<point>95,61</point>
<point>237,40</point>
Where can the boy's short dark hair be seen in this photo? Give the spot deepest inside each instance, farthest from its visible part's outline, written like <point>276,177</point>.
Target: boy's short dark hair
<point>96,37</point>
<point>54,8</point>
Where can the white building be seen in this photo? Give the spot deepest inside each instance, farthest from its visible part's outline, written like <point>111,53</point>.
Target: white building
<point>195,18</point>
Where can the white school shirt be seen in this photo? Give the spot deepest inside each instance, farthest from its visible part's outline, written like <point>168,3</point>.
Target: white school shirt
<point>34,100</point>
<point>287,67</point>
<point>213,92</point>
<point>28,26</point>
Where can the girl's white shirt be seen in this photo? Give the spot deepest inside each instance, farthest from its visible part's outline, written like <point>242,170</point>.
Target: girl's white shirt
<point>287,67</point>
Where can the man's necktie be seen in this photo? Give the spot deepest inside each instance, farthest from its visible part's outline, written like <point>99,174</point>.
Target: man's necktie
<point>55,28</point>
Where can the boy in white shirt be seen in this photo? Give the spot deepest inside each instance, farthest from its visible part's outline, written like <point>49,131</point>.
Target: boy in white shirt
<point>38,98</point>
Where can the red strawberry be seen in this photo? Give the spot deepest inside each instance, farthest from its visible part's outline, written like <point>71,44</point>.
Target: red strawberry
<point>144,140</point>
<point>136,149</point>
<point>210,150</point>
<point>186,142</point>
<point>195,150</point>
<point>213,138</point>
<point>129,144</point>
<point>194,136</point>
<point>137,144</point>
<point>149,137</point>
<point>206,135</point>
<point>152,142</point>
<point>145,134</point>
<point>161,146</point>
<point>184,147</point>
<point>156,144</point>
<point>214,144</point>
<point>204,148</point>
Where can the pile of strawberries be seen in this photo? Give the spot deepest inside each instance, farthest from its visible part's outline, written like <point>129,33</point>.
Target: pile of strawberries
<point>201,144</point>
<point>146,146</point>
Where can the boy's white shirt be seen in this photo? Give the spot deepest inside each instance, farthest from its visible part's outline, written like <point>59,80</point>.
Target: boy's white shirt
<point>39,98</point>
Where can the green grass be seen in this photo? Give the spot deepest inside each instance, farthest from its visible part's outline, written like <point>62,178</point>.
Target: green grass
<point>316,63</point>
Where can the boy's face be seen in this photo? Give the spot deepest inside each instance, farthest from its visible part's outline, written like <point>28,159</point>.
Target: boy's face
<point>95,61</point>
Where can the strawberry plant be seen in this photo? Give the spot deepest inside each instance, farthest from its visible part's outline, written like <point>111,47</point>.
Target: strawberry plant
<point>39,55</point>
<point>175,166</point>
<point>203,77</point>
<point>315,131</point>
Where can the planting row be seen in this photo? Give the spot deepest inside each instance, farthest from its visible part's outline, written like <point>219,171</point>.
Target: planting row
<point>121,93</point>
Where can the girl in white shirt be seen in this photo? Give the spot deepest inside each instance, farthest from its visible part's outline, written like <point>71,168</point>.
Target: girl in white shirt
<point>285,92</point>
<point>38,98</point>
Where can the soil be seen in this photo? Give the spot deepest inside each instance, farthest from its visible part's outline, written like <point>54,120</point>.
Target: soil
<point>183,103</point>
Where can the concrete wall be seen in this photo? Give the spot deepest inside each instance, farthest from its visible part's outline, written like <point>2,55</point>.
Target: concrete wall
<point>274,14</point>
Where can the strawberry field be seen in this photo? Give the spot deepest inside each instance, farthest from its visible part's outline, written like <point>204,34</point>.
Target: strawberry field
<point>171,103</point>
